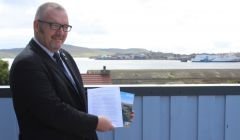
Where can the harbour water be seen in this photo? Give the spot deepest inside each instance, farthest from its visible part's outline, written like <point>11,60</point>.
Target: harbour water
<point>85,64</point>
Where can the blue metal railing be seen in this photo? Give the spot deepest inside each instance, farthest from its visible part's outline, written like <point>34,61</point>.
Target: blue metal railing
<point>163,112</point>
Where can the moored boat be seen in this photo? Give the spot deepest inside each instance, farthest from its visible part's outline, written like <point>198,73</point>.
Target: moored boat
<point>215,58</point>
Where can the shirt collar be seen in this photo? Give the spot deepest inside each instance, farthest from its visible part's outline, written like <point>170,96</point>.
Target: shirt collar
<point>44,48</point>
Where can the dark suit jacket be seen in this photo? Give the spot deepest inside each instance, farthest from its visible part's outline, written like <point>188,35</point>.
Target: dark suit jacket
<point>46,104</point>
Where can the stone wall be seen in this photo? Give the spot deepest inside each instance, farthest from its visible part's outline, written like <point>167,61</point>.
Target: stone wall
<point>170,76</point>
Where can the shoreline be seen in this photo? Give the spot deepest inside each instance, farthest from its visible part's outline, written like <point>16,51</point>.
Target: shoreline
<point>174,76</point>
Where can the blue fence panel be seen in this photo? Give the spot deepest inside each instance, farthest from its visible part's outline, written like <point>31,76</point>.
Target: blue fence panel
<point>164,118</point>
<point>156,117</point>
<point>211,118</point>
<point>232,117</point>
<point>183,118</point>
<point>8,123</point>
<point>151,117</point>
<point>105,135</point>
<point>163,113</point>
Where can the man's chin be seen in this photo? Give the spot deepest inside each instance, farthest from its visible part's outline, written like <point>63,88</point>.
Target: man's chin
<point>56,48</point>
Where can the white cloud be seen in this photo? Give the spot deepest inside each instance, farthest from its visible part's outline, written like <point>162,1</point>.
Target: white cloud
<point>186,26</point>
<point>12,38</point>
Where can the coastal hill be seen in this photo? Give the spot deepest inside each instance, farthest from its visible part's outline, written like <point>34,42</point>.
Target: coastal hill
<point>78,51</point>
<point>108,54</point>
<point>118,54</point>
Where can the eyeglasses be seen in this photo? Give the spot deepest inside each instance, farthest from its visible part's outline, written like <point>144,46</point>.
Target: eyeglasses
<point>56,26</point>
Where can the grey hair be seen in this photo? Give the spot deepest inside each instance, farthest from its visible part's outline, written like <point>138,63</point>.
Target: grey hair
<point>41,11</point>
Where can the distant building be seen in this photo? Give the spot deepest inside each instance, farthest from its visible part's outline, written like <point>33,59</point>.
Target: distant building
<point>101,77</point>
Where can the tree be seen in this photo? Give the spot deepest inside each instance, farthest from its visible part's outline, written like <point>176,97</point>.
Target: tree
<point>4,74</point>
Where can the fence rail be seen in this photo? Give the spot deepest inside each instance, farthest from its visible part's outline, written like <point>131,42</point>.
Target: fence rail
<point>163,112</point>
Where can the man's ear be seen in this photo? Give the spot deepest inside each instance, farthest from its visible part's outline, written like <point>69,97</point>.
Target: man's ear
<point>36,25</point>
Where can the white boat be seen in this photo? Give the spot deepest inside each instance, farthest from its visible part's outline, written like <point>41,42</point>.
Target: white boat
<point>216,58</point>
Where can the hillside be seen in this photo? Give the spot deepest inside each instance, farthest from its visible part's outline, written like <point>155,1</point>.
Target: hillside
<point>9,53</point>
<point>75,51</point>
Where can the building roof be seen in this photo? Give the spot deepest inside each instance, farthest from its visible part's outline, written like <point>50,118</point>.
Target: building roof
<point>96,79</point>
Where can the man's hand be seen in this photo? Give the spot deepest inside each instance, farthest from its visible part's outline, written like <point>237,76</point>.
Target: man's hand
<point>104,124</point>
<point>132,115</point>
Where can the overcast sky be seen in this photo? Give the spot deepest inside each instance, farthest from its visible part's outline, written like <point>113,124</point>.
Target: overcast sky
<point>178,26</point>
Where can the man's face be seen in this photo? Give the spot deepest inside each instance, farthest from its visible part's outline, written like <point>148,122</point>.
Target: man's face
<point>51,39</point>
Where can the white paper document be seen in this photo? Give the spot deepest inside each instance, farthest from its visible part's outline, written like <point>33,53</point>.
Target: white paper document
<point>106,102</point>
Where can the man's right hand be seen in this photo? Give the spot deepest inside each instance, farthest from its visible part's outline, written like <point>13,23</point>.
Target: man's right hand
<point>104,124</point>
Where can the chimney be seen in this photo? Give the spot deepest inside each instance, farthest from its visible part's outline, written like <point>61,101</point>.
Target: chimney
<point>104,71</point>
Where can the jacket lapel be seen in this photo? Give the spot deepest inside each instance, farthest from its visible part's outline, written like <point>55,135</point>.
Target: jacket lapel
<point>76,77</point>
<point>70,68</point>
<point>53,68</point>
<point>49,61</point>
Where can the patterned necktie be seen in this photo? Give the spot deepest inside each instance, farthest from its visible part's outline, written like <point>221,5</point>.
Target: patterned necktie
<point>63,69</point>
